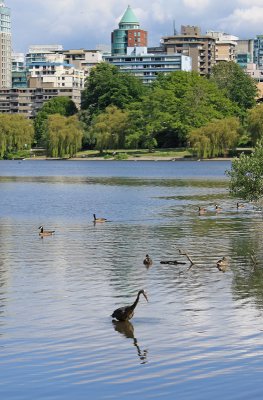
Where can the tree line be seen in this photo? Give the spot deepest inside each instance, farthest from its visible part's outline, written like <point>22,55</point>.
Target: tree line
<point>210,115</point>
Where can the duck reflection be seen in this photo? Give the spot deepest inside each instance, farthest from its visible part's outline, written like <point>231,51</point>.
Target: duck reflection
<point>126,328</point>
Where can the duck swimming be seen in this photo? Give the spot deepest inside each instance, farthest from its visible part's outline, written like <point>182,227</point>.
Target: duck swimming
<point>98,219</point>
<point>222,264</point>
<point>45,233</point>
<point>202,210</point>
<point>147,261</point>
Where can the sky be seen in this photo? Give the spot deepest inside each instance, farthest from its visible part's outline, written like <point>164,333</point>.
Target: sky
<point>89,23</point>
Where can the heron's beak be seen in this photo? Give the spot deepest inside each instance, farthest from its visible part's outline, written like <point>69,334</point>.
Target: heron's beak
<point>145,295</point>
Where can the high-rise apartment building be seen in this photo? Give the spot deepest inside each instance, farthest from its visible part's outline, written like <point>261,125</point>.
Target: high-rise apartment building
<point>225,46</point>
<point>5,47</point>
<point>258,51</point>
<point>202,48</point>
<point>128,34</point>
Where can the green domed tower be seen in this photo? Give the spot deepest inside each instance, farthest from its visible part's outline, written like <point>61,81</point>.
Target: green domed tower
<point>128,34</point>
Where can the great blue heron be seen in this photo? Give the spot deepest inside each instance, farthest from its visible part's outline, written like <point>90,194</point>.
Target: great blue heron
<point>126,313</point>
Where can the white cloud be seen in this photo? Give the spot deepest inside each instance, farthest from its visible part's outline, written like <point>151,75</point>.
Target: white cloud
<point>198,5</point>
<point>85,23</point>
<point>243,18</point>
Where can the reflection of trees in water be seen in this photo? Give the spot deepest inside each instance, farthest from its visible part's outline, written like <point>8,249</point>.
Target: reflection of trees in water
<point>248,271</point>
<point>126,328</point>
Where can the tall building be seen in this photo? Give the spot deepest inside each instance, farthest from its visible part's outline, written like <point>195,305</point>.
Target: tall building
<point>244,52</point>
<point>225,46</point>
<point>128,34</point>
<point>258,51</point>
<point>5,47</point>
<point>147,66</point>
<point>202,48</point>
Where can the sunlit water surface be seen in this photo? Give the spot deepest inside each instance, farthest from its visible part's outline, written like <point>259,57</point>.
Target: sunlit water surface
<point>199,336</point>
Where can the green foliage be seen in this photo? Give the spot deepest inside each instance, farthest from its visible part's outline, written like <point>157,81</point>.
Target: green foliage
<point>16,133</point>
<point>246,175</point>
<point>239,87</point>
<point>255,123</point>
<point>109,128</point>
<point>177,103</point>
<point>215,138</point>
<point>64,135</point>
<point>107,86</point>
<point>58,105</point>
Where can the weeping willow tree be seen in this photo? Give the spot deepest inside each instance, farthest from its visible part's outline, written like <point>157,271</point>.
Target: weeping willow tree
<point>216,138</point>
<point>16,133</point>
<point>109,128</point>
<point>64,135</point>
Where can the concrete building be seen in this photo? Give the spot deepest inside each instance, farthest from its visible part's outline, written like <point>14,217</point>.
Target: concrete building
<point>128,34</point>
<point>244,52</point>
<point>146,66</point>
<point>19,71</point>
<point>225,46</point>
<point>54,72</point>
<point>258,51</point>
<point>38,53</point>
<point>28,101</point>
<point>5,47</point>
<point>82,59</point>
<point>191,43</point>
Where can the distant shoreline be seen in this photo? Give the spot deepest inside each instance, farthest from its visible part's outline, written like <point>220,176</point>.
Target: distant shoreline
<point>150,158</point>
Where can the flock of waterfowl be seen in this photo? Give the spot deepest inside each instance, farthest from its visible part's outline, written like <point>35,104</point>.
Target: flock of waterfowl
<point>126,313</point>
<point>217,208</point>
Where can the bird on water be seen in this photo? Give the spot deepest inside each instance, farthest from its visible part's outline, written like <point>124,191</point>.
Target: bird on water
<point>98,219</point>
<point>45,233</point>
<point>126,313</point>
<point>147,261</point>
<point>222,264</point>
<point>202,210</point>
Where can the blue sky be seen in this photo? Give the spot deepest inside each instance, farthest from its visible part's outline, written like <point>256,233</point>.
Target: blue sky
<point>85,23</point>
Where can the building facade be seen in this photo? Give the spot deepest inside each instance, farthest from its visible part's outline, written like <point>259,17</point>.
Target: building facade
<point>5,47</point>
<point>191,43</point>
<point>28,101</point>
<point>245,52</point>
<point>147,66</point>
<point>258,51</point>
<point>128,34</point>
<point>225,46</point>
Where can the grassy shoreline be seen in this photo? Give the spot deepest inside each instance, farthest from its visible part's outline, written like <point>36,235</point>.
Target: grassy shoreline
<point>180,154</point>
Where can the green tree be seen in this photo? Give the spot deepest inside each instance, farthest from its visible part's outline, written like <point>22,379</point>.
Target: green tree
<point>16,134</point>
<point>109,128</point>
<point>64,135</point>
<point>246,175</point>
<point>57,105</point>
<point>235,83</point>
<point>177,103</point>
<point>106,86</point>
<point>255,123</point>
<point>216,138</point>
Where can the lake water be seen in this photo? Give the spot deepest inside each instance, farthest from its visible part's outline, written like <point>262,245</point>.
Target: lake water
<point>199,336</point>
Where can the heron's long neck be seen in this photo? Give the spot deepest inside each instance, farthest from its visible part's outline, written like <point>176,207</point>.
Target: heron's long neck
<point>136,301</point>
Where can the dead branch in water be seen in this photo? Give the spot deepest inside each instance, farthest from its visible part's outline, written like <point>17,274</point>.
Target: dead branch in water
<point>175,262</point>
<point>188,258</point>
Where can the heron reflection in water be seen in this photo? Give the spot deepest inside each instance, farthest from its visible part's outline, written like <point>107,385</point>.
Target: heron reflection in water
<point>126,328</point>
